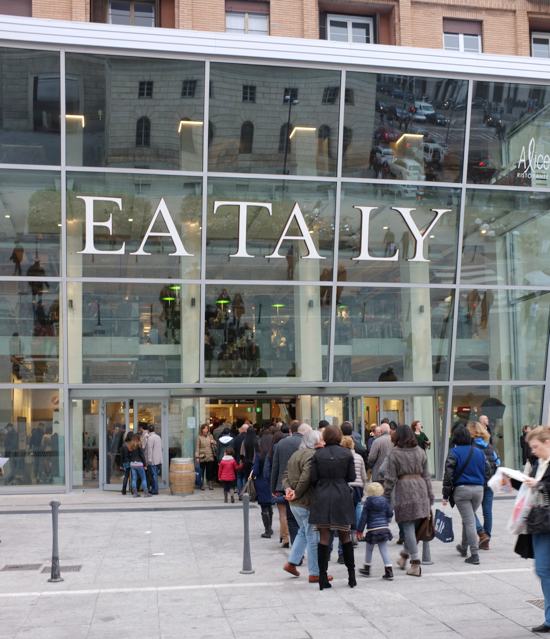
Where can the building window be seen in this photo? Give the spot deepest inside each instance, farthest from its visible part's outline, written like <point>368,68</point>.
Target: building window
<point>16,7</point>
<point>284,141</point>
<point>540,45</point>
<point>330,95</point>
<point>45,103</point>
<point>249,93</point>
<point>247,138</point>
<point>145,89</point>
<point>461,35</point>
<point>290,94</point>
<point>188,88</point>
<point>247,17</point>
<point>143,131</point>
<point>139,13</point>
<point>349,97</point>
<point>350,29</point>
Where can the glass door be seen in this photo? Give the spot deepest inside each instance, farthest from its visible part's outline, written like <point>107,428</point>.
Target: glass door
<point>154,413</point>
<point>116,422</point>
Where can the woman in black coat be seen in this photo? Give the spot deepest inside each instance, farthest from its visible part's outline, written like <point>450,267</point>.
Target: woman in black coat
<point>332,469</point>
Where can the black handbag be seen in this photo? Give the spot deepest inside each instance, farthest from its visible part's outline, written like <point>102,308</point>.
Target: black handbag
<point>538,519</point>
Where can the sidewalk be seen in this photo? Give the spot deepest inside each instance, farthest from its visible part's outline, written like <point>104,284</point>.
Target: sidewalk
<point>175,574</point>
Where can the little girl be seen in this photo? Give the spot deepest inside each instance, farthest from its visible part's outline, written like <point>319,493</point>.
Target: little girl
<point>227,474</point>
<point>375,519</point>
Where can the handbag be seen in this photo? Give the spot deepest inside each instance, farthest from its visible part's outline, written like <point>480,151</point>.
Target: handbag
<point>250,488</point>
<point>458,474</point>
<point>425,530</point>
<point>443,527</point>
<point>538,519</point>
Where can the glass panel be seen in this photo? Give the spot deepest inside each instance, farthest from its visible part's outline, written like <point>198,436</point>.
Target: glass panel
<point>508,409</point>
<point>360,32</point>
<point>29,332</point>
<point>293,131</point>
<point>339,30</point>
<point>299,210</point>
<point>119,12</point>
<point>472,43</point>
<point>144,14</point>
<point>404,127</point>
<point>506,238</point>
<point>132,333</point>
<point>540,48</point>
<point>502,334</point>
<point>30,217</point>
<point>32,438</point>
<point>509,143</point>
<point>234,22</point>
<point>266,332</point>
<point>106,127</point>
<point>183,425</point>
<point>389,335</point>
<point>451,41</point>
<point>29,110</point>
<point>258,23</point>
<point>164,211</point>
<point>85,416</point>
<point>375,234</point>
<point>116,425</point>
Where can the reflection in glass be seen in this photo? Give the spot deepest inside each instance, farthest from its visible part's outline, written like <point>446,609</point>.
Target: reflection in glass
<point>380,246</point>
<point>404,127</point>
<point>32,437</point>
<point>266,332</point>
<point>508,134</point>
<point>29,331</point>
<point>508,409</point>
<point>506,238</point>
<point>391,335</point>
<point>29,110</point>
<point>172,203</point>
<point>30,220</point>
<point>109,123</point>
<point>133,333</point>
<point>295,129</point>
<point>502,334</point>
<point>298,210</point>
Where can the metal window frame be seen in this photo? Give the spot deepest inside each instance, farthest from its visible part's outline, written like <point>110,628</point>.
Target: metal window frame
<point>349,20</point>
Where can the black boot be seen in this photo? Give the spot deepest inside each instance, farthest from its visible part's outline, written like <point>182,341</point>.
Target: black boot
<point>365,570</point>
<point>388,573</point>
<point>270,515</point>
<point>349,560</point>
<point>265,519</point>
<point>322,558</point>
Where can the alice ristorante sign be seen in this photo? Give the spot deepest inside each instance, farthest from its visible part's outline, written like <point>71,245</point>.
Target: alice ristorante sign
<point>295,216</point>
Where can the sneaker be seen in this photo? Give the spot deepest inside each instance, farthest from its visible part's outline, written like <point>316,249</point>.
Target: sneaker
<point>365,571</point>
<point>461,550</point>
<point>473,559</point>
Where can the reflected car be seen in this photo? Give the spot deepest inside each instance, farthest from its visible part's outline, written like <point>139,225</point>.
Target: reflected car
<point>407,169</point>
<point>493,119</point>
<point>383,154</point>
<point>422,110</point>
<point>386,134</point>
<point>437,118</point>
<point>481,170</point>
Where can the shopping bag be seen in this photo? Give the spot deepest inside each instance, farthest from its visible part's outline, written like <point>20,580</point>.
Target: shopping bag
<point>443,527</point>
<point>500,483</point>
<point>198,475</point>
<point>517,524</point>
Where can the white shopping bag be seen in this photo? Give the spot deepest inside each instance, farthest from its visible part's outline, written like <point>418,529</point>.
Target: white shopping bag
<point>517,523</point>
<point>500,483</point>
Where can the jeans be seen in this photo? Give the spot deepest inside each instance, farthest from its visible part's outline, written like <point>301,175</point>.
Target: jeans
<point>141,472</point>
<point>241,481</point>
<point>154,474</point>
<point>468,500</point>
<point>541,549</point>
<point>384,551</point>
<point>487,510</point>
<point>307,537</point>
<point>409,535</point>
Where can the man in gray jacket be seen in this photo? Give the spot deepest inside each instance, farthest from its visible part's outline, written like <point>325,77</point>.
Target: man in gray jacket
<point>379,451</point>
<point>281,454</point>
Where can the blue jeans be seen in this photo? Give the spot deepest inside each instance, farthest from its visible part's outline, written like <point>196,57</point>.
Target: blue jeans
<point>141,472</point>
<point>154,474</point>
<point>487,510</point>
<point>541,549</point>
<point>306,537</point>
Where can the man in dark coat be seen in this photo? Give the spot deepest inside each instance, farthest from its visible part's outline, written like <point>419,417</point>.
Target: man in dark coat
<point>281,454</point>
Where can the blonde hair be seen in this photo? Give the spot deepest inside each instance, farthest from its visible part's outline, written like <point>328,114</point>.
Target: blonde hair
<point>347,442</point>
<point>375,489</point>
<point>476,429</point>
<point>542,433</point>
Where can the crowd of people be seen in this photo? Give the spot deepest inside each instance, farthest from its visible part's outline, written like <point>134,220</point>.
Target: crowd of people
<point>141,461</point>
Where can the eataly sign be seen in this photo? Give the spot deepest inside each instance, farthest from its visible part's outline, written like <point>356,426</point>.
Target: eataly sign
<point>296,216</point>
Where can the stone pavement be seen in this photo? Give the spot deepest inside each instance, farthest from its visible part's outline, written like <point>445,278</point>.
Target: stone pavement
<point>168,567</point>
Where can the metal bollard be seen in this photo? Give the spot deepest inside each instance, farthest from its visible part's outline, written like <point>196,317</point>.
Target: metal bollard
<point>247,560</point>
<point>426,554</point>
<point>56,574</point>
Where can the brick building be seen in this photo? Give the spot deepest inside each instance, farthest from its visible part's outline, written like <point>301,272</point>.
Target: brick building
<point>490,26</point>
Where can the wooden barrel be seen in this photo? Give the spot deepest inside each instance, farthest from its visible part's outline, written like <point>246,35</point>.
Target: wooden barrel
<point>182,476</point>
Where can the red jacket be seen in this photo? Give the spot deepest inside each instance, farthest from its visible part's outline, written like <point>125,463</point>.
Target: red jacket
<point>227,469</point>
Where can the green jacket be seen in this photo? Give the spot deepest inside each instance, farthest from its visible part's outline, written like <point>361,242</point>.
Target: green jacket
<point>297,476</point>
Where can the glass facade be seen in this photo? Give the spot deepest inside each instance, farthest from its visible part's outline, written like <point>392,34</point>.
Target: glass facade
<point>372,244</point>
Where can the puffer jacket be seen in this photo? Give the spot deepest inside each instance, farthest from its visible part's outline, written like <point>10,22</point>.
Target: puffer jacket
<point>360,472</point>
<point>490,454</point>
<point>377,513</point>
